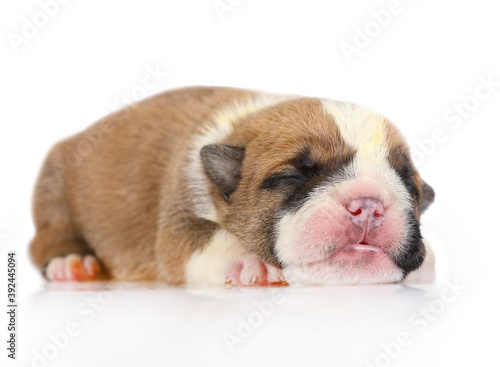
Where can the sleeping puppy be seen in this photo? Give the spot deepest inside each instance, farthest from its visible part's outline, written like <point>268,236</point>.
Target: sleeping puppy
<point>220,186</point>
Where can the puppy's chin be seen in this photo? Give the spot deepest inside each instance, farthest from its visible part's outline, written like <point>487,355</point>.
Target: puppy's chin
<point>355,264</point>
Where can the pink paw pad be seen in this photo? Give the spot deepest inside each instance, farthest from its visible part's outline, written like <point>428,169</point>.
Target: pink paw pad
<point>254,272</point>
<point>73,268</point>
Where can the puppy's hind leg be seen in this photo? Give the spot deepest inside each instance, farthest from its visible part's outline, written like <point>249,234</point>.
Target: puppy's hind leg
<point>57,248</point>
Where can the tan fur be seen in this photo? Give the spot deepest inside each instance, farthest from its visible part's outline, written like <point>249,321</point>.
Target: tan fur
<point>109,203</point>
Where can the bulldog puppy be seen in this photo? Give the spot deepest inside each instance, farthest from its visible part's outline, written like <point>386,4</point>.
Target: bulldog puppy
<point>214,186</point>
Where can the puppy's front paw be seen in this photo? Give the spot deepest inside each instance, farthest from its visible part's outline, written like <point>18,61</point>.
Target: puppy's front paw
<point>224,260</point>
<point>73,268</point>
<point>253,272</point>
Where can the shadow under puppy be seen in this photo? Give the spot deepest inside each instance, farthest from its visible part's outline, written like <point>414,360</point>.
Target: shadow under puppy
<point>215,186</point>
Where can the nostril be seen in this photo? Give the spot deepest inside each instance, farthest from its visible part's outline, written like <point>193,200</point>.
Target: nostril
<point>357,212</point>
<point>377,214</point>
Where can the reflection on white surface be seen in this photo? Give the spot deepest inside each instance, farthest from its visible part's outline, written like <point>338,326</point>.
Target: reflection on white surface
<point>101,324</point>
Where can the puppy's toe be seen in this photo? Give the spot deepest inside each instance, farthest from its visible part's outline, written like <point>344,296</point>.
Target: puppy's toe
<point>91,265</point>
<point>275,276</point>
<point>254,272</point>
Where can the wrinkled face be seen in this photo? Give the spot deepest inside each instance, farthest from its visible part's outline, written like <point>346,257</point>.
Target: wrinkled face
<point>327,191</point>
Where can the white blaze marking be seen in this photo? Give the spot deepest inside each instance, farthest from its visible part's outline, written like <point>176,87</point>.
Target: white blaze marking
<point>362,129</point>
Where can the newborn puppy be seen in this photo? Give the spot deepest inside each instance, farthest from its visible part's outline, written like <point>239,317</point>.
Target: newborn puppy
<point>214,186</point>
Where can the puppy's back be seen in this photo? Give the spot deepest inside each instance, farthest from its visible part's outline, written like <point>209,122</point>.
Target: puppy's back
<point>99,191</point>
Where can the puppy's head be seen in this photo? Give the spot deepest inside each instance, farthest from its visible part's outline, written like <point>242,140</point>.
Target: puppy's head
<point>325,190</point>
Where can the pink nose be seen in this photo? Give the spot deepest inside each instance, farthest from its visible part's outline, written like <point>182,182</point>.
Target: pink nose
<point>366,213</point>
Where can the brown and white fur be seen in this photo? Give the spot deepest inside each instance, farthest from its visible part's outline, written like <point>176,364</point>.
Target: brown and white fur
<point>214,186</point>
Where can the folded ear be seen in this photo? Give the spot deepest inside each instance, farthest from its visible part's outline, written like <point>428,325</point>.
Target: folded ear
<point>428,196</point>
<point>223,165</point>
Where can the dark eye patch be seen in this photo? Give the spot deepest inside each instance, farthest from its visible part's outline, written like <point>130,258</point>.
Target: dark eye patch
<point>402,165</point>
<point>304,169</point>
<point>302,177</point>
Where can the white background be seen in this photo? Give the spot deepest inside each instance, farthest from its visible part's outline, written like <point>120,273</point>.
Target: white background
<point>79,62</point>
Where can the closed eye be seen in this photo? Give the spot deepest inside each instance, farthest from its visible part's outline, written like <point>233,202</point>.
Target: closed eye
<point>280,179</point>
